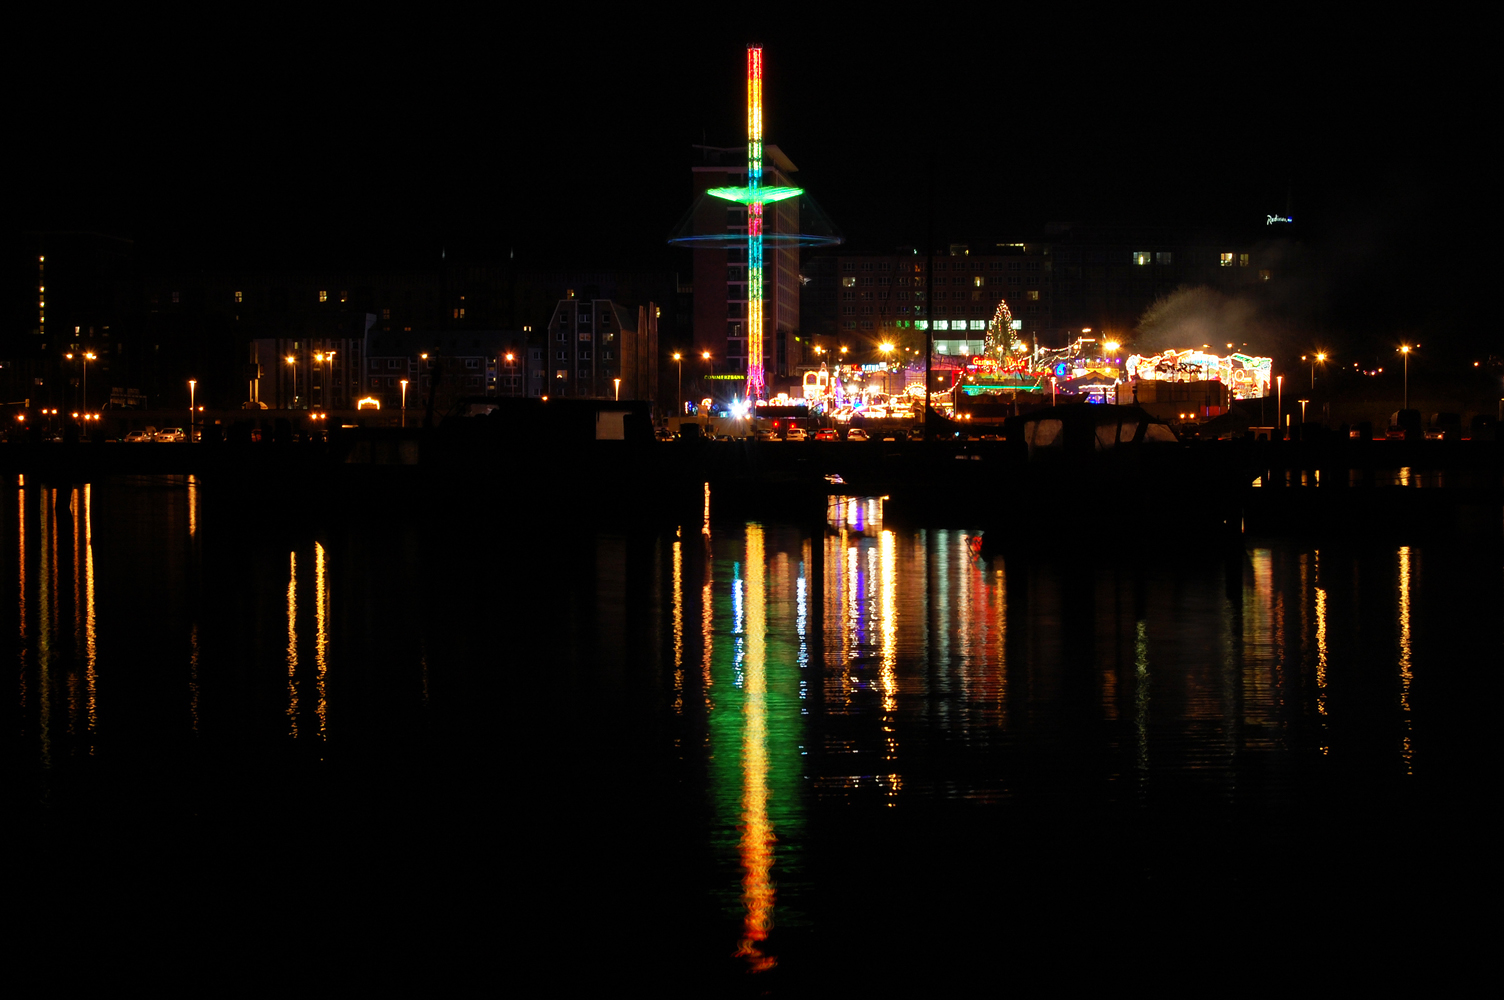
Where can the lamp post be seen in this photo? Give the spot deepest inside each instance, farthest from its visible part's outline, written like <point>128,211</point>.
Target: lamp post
<point>1405,353</point>
<point>1303,403</point>
<point>618,389</point>
<point>192,386</point>
<point>404,402</point>
<point>1279,399</point>
<point>511,370</point>
<point>88,356</point>
<point>679,399</point>
<point>292,362</point>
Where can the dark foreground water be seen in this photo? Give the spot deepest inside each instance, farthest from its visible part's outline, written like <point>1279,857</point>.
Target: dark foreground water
<point>471,749</point>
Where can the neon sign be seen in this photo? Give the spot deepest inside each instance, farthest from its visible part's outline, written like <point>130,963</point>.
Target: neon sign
<point>1271,220</point>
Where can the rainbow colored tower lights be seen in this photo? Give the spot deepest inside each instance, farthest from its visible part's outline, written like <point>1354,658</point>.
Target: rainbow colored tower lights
<point>754,196</point>
<point>791,233</point>
<point>756,382</point>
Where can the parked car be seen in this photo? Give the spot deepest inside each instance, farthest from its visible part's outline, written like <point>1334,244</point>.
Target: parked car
<point>767,436</point>
<point>171,434</point>
<point>138,437</point>
<point>796,434</point>
<point>827,434</point>
<point>857,434</point>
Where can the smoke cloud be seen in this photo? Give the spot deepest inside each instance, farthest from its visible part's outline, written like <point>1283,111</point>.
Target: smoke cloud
<point>1195,315</point>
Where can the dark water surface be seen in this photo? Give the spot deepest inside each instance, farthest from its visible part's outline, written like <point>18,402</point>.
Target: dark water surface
<point>474,748</point>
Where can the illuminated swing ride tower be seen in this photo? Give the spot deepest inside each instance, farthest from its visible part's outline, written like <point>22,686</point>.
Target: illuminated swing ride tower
<point>754,196</point>
<point>812,228</point>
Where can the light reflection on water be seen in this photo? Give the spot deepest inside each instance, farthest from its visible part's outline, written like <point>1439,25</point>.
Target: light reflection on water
<point>865,670</point>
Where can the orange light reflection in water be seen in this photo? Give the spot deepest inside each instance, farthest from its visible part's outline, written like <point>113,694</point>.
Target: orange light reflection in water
<point>1406,676</point>
<point>321,647</point>
<point>21,576</point>
<point>756,846</point>
<point>678,625</point>
<point>75,505</point>
<point>888,664</point>
<point>91,675</point>
<point>1321,653</point>
<point>292,644</point>
<point>192,506</point>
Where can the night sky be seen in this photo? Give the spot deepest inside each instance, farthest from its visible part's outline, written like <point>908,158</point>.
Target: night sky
<point>297,143</point>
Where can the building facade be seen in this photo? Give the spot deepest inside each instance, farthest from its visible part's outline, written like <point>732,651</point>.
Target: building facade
<point>596,348</point>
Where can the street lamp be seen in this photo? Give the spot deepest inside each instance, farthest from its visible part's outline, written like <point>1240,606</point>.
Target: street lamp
<point>292,362</point>
<point>1279,399</point>
<point>192,386</point>
<point>328,359</point>
<point>404,402</point>
<point>1303,403</point>
<point>618,389</point>
<point>511,371</point>
<point>679,399</point>
<point>1405,353</point>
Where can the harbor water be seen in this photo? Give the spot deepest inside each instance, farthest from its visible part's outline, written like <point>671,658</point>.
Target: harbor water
<point>369,745</point>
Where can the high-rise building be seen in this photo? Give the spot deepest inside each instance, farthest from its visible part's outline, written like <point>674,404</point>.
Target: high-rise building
<point>720,271</point>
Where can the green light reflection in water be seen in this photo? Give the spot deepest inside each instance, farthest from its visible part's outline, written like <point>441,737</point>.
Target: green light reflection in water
<point>756,730</point>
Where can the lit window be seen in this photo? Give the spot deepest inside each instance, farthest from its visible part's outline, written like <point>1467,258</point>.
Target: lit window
<point>978,281</point>
<point>386,314</point>
<point>1226,260</point>
<point>848,282</point>
<point>1142,257</point>
<point>323,296</point>
<point>1033,295</point>
<point>1242,260</point>
<point>238,297</point>
<point>343,296</point>
<point>1265,274</point>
